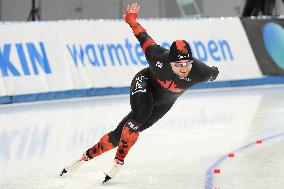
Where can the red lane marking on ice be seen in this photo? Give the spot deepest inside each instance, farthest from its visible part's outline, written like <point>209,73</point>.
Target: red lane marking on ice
<point>209,182</point>
<point>217,171</point>
<point>231,155</point>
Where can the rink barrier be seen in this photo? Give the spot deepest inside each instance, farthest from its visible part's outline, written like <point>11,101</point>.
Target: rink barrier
<point>64,95</point>
<point>270,80</point>
<point>77,56</point>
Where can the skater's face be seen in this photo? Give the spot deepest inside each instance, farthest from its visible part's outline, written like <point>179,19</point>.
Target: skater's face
<point>181,67</point>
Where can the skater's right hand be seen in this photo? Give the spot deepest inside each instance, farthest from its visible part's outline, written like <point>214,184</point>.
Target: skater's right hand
<point>131,13</point>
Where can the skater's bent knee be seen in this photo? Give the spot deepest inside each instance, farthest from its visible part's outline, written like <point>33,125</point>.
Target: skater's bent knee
<point>114,138</point>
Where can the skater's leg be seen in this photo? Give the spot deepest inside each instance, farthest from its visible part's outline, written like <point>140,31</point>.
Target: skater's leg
<point>141,100</point>
<point>102,146</point>
<point>127,139</point>
<point>130,132</point>
<point>108,141</point>
<point>130,135</point>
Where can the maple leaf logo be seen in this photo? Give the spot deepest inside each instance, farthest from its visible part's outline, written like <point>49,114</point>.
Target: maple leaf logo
<point>173,87</point>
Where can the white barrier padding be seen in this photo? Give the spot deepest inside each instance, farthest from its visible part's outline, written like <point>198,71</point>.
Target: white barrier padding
<point>66,55</point>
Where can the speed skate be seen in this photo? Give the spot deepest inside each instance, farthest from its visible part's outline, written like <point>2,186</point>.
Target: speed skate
<point>110,173</point>
<point>74,166</point>
<point>113,170</point>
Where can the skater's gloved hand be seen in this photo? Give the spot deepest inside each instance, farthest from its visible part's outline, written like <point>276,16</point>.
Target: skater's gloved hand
<point>131,13</point>
<point>214,73</point>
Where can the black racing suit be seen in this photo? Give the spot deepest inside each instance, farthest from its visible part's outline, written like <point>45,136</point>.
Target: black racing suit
<point>153,92</point>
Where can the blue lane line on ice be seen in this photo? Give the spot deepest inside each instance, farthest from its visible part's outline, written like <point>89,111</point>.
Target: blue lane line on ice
<point>125,90</point>
<point>209,182</point>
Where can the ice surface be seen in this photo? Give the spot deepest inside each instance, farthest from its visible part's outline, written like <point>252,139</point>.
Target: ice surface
<point>180,151</point>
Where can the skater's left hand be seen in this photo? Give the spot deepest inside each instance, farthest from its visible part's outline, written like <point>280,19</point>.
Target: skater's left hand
<point>131,13</point>
<point>214,73</point>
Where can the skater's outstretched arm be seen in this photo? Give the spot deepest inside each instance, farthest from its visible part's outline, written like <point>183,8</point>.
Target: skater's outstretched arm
<point>206,72</point>
<point>148,45</point>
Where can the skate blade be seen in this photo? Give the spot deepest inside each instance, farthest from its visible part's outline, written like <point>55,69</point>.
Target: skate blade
<point>107,178</point>
<point>63,172</point>
<point>72,167</point>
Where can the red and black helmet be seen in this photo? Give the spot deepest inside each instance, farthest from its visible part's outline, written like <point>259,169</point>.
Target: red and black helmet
<point>180,50</point>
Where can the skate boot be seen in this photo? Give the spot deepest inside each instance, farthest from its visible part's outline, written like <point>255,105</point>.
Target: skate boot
<point>75,165</point>
<point>113,170</point>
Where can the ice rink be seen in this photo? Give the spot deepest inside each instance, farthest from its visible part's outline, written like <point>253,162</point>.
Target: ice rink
<point>181,151</point>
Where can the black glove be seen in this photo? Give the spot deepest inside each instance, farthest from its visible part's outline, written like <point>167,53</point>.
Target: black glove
<point>214,73</point>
